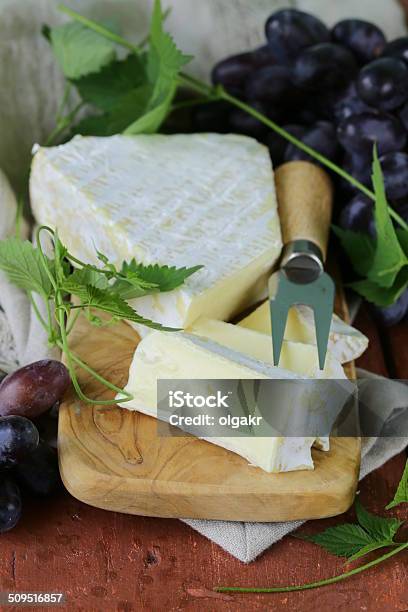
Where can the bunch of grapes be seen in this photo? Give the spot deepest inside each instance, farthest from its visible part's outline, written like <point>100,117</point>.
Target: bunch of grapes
<point>338,91</point>
<point>29,400</point>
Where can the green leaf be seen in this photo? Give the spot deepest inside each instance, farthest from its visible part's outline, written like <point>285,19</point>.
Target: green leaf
<point>403,239</point>
<point>108,88</point>
<point>343,540</point>
<point>382,296</point>
<point>79,50</point>
<point>23,265</point>
<point>164,61</point>
<point>360,248</point>
<point>389,258</point>
<point>401,494</point>
<point>380,529</point>
<point>82,278</point>
<point>92,297</point>
<point>164,278</point>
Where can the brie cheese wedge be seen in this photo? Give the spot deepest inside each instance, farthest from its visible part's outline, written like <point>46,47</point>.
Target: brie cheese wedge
<point>181,200</point>
<point>345,342</point>
<point>215,350</point>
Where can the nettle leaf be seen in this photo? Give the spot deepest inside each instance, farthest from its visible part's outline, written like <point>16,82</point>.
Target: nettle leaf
<point>379,528</point>
<point>84,277</point>
<point>79,50</point>
<point>381,296</point>
<point>401,494</point>
<point>164,61</point>
<point>389,258</point>
<point>109,88</point>
<point>343,540</point>
<point>23,265</point>
<point>113,304</point>
<point>403,239</point>
<point>360,248</point>
<point>164,278</point>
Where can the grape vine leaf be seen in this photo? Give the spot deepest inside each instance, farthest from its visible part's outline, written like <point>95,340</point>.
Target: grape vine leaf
<point>401,494</point>
<point>165,278</point>
<point>382,296</point>
<point>23,265</point>
<point>402,235</point>
<point>353,540</point>
<point>389,258</point>
<point>79,50</point>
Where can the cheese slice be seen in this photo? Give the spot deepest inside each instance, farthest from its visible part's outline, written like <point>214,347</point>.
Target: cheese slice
<point>238,354</point>
<point>345,342</point>
<point>182,200</point>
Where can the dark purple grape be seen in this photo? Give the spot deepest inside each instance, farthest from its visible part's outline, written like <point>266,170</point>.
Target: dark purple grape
<point>397,48</point>
<point>39,474</point>
<point>323,67</point>
<point>359,165</point>
<point>321,137</point>
<point>395,171</point>
<point>277,144</point>
<point>358,215</point>
<point>33,389</point>
<point>232,72</point>
<point>243,123</point>
<point>358,133</point>
<point>263,56</point>
<point>18,438</point>
<point>383,84</point>
<point>391,315</point>
<point>211,117</point>
<point>363,38</point>
<point>10,504</point>
<point>270,84</point>
<point>403,115</point>
<point>348,103</point>
<point>289,31</point>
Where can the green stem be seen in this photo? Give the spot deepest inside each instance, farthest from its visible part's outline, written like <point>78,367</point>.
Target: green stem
<point>314,585</point>
<point>63,124</point>
<point>63,102</point>
<point>19,216</point>
<point>38,314</point>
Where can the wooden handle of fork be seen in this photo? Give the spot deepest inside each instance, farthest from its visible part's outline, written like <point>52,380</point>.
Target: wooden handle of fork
<point>305,200</point>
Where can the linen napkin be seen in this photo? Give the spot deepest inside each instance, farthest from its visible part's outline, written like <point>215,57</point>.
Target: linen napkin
<point>23,340</point>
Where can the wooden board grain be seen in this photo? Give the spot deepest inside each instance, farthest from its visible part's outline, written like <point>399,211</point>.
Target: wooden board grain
<point>113,459</point>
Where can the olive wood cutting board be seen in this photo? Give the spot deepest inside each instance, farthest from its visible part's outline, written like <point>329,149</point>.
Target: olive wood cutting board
<point>112,458</point>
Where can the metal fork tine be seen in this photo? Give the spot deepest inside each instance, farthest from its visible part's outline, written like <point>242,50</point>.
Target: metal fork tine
<point>279,315</point>
<point>322,309</point>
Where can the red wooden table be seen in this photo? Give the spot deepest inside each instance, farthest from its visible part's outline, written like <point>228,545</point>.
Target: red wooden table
<point>107,561</point>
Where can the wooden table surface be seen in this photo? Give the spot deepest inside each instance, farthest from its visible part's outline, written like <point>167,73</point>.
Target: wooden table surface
<point>108,561</point>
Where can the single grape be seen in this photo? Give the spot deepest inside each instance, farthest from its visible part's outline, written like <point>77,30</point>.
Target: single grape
<point>326,66</point>
<point>39,473</point>
<point>383,83</point>
<point>321,137</point>
<point>277,144</point>
<point>232,72</point>
<point>391,315</point>
<point>270,84</point>
<point>10,504</point>
<point>243,123</point>
<point>363,38</point>
<point>289,31</point>
<point>263,56</point>
<point>33,389</point>
<point>395,171</point>
<point>18,438</point>
<point>397,48</point>
<point>358,215</point>
<point>403,115</point>
<point>211,117</point>
<point>359,165</point>
<point>348,103</point>
<point>358,133</point>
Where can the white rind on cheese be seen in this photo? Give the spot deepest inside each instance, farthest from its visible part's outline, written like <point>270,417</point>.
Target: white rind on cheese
<point>191,356</point>
<point>182,200</point>
<point>345,342</point>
